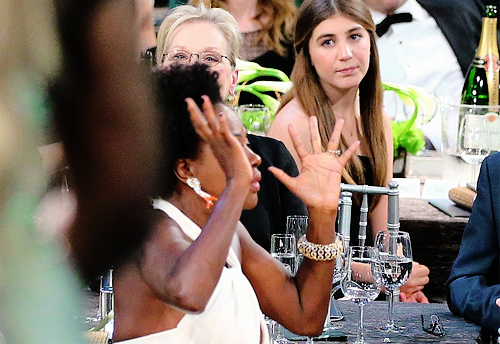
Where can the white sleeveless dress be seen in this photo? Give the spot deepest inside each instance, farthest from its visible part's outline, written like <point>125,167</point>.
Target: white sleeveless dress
<point>232,314</point>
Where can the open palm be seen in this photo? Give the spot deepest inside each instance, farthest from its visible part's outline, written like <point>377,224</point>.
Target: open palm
<point>318,184</point>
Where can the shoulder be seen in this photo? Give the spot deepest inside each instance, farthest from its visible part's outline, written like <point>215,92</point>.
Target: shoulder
<point>491,165</point>
<point>291,108</point>
<point>387,121</point>
<point>494,160</point>
<point>292,112</point>
<point>164,230</point>
<point>433,4</point>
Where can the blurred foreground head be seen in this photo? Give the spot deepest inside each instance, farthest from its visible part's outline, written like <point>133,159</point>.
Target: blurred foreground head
<point>105,116</point>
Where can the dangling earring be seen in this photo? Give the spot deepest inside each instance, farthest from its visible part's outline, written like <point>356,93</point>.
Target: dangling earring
<point>232,100</point>
<point>194,184</point>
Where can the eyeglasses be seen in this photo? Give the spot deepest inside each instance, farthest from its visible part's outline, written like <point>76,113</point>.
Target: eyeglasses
<point>435,328</point>
<point>210,58</point>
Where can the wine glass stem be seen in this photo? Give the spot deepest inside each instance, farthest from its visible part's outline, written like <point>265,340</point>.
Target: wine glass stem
<point>390,299</point>
<point>361,338</point>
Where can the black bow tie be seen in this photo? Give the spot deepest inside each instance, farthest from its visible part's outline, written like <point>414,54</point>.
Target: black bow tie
<point>384,25</point>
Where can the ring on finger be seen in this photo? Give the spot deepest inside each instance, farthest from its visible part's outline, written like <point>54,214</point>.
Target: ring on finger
<point>337,152</point>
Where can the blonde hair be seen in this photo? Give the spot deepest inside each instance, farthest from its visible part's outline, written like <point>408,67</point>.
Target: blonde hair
<point>277,30</point>
<point>311,96</point>
<point>183,15</point>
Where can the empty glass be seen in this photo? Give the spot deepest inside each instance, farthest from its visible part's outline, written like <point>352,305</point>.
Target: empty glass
<point>297,225</point>
<point>470,132</point>
<point>394,262</point>
<point>360,282</point>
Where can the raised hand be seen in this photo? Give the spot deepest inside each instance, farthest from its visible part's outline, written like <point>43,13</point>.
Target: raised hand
<point>214,130</point>
<point>318,184</point>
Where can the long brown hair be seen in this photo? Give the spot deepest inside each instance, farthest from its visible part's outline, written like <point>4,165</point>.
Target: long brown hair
<point>311,96</point>
<point>275,31</point>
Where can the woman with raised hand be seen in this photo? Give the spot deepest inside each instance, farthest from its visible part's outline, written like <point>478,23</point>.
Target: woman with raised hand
<point>199,277</point>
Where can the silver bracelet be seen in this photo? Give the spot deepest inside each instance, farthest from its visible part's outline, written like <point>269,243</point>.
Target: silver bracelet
<point>320,252</point>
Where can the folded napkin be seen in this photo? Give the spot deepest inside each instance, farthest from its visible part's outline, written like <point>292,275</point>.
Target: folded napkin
<point>449,207</point>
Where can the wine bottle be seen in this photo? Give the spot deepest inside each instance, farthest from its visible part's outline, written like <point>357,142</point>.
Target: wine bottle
<point>482,87</point>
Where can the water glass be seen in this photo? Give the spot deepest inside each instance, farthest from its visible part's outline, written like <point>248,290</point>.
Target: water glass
<point>470,132</point>
<point>360,282</point>
<point>394,262</point>
<point>297,225</point>
<point>283,248</point>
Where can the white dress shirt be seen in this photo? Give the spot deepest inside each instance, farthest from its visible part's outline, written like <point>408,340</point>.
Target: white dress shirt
<point>417,53</point>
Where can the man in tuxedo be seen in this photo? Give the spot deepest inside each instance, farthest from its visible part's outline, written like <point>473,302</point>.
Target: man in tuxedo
<point>432,48</point>
<point>474,283</point>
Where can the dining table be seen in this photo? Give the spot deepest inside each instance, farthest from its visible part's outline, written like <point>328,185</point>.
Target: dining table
<point>435,238</point>
<point>407,315</point>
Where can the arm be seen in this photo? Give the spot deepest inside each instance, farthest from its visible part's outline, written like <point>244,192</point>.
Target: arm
<point>474,285</point>
<point>300,303</point>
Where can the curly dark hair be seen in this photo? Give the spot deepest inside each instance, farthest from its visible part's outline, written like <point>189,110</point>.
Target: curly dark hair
<point>179,139</point>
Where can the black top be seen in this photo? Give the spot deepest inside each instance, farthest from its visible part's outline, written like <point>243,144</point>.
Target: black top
<point>276,202</point>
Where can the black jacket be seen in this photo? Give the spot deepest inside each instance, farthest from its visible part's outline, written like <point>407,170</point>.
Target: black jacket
<point>276,202</point>
<point>460,21</point>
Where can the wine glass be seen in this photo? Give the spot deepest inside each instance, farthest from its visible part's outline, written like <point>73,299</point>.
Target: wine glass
<point>394,262</point>
<point>360,282</point>
<point>297,225</point>
<point>474,140</point>
<point>283,248</point>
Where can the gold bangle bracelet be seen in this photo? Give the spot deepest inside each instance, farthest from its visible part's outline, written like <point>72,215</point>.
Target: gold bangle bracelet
<point>320,252</point>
